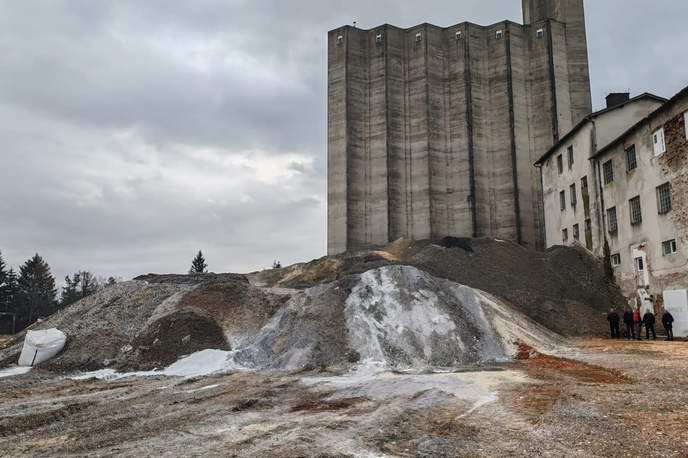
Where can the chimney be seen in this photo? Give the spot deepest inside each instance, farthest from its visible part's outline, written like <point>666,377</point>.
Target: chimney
<point>617,98</point>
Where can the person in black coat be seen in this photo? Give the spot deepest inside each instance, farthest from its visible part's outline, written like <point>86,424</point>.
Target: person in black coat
<point>668,323</point>
<point>614,320</point>
<point>649,320</point>
<point>630,326</point>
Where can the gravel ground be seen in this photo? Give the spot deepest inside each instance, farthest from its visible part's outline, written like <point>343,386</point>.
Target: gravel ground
<point>608,399</point>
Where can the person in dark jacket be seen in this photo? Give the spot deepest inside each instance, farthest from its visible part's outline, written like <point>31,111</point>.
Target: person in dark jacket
<point>649,320</point>
<point>668,323</point>
<point>638,322</point>
<point>630,326</point>
<point>614,319</point>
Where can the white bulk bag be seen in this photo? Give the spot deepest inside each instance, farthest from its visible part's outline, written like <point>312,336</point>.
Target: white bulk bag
<point>41,346</point>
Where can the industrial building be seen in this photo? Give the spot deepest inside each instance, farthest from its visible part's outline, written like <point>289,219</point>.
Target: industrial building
<point>634,201</point>
<point>433,131</point>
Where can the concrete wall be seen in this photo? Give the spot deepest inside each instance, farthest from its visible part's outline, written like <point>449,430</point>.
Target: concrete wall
<point>437,137</point>
<point>553,183</point>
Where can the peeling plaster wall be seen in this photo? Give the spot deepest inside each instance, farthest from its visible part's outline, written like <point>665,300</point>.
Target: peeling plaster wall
<point>590,137</point>
<point>665,272</point>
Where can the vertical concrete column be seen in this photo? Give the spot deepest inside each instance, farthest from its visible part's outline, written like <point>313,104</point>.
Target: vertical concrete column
<point>357,130</point>
<point>460,168</point>
<point>397,136</point>
<point>479,125</point>
<point>418,184</point>
<point>336,144</point>
<point>438,152</point>
<point>501,147</point>
<point>572,14</point>
<point>377,221</point>
<point>560,61</point>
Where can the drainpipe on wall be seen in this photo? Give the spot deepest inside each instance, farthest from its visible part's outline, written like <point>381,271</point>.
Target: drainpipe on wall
<point>600,190</point>
<point>542,202</point>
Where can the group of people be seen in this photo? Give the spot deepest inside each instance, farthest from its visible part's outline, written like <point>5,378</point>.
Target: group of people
<point>634,324</point>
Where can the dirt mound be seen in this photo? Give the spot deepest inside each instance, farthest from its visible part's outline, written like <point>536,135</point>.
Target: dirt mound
<point>241,310</point>
<point>563,289</point>
<point>151,323</point>
<point>171,337</point>
<point>393,317</point>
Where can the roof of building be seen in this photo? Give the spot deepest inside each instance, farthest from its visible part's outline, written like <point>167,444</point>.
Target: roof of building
<point>578,126</point>
<point>667,105</point>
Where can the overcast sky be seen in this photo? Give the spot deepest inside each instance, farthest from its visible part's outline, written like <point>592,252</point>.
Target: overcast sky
<point>136,132</point>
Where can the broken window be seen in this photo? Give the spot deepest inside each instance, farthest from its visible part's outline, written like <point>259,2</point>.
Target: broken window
<point>562,200</point>
<point>560,164</point>
<point>576,231</point>
<point>584,182</point>
<point>570,154</point>
<point>565,235</point>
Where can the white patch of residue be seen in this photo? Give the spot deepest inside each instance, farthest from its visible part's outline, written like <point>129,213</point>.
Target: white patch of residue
<point>375,315</point>
<point>492,397</point>
<point>14,371</point>
<point>206,362</point>
<point>209,387</point>
<point>385,386</point>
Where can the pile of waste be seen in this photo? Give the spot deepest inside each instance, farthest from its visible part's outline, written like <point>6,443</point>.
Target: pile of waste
<point>396,308</point>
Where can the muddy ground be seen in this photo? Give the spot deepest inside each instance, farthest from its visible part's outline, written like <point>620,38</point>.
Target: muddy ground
<point>602,399</point>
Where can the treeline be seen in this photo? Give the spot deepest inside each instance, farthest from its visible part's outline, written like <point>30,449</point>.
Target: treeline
<point>30,293</point>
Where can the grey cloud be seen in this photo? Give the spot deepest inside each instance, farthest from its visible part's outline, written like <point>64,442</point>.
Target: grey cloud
<point>106,107</point>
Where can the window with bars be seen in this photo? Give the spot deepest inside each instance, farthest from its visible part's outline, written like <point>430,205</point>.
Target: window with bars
<point>565,235</point>
<point>611,218</point>
<point>584,182</point>
<point>669,247</point>
<point>574,198</point>
<point>636,213</point>
<point>588,224</point>
<point>570,154</point>
<point>576,231</point>
<point>562,200</point>
<point>560,164</point>
<point>608,172</point>
<point>631,160</point>
<point>616,260</point>
<point>664,198</point>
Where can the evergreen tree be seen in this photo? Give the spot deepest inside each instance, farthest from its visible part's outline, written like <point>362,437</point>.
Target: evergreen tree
<point>3,271</point>
<point>81,285</point>
<point>198,265</point>
<point>37,291</point>
<point>9,292</point>
<point>70,293</point>
<point>112,281</point>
